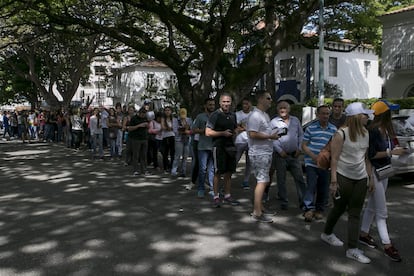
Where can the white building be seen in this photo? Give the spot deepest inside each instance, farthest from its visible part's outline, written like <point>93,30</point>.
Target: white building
<point>149,79</point>
<point>398,53</point>
<point>97,87</point>
<point>353,69</point>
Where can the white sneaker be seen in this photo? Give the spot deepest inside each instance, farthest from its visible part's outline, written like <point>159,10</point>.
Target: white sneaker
<point>189,187</point>
<point>357,255</point>
<point>331,239</point>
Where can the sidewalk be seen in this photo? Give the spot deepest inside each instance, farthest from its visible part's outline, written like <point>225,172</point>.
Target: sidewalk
<point>62,214</point>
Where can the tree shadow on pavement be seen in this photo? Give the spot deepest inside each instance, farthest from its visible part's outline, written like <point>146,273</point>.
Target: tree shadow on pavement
<point>64,214</point>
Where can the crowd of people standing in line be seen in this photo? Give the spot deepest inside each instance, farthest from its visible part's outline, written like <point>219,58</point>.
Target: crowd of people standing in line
<point>217,139</point>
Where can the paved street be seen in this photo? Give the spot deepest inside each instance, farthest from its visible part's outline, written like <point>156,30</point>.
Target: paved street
<point>62,214</point>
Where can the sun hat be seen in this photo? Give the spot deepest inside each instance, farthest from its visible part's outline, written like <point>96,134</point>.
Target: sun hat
<point>357,108</point>
<point>382,106</point>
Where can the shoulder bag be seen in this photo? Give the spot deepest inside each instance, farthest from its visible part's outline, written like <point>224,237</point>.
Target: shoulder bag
<point>323,161</point>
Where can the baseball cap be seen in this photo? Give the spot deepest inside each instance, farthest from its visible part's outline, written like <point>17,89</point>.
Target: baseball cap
<point>382,106</point>
<point>357,108</point>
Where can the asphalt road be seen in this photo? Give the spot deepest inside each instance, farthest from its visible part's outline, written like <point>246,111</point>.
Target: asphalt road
<point>63,214</point>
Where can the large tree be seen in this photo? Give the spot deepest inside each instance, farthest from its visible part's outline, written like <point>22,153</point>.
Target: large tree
<point>230,42</point>
<point>52,58</point>
<point>14,88</point>
<point>195,36</point>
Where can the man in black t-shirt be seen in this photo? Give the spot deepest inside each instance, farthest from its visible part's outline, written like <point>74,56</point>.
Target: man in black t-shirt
<point>221,126</point>
<point>138,139</point>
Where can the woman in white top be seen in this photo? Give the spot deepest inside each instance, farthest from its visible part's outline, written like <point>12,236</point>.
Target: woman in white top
<point>77,127</point>
<point>95,126</point>
<point>155,140</point>
<point>350,173</point>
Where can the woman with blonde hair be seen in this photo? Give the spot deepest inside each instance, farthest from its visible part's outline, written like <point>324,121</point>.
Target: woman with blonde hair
<point>350,173</point>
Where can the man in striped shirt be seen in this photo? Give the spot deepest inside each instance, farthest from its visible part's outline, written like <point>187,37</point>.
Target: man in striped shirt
<point>316,136</point>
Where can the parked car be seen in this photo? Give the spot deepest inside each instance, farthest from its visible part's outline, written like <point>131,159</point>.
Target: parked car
<point>404,129</point>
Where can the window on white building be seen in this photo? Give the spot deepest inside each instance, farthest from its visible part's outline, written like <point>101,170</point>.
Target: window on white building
<point>367,68</point>
<point>151,82</point>
<point>100,70</point>
<point>173,81</point>
<point>288,68</point>
<point>333,66</point>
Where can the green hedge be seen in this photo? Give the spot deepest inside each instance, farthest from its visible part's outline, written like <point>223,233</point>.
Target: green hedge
<point>406,103</point>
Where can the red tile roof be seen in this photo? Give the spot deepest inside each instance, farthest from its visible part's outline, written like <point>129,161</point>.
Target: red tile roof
<point>409,8</point>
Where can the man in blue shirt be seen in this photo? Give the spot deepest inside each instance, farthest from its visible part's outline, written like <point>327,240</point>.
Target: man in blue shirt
<point>204,148</point>
<point>316,136</point>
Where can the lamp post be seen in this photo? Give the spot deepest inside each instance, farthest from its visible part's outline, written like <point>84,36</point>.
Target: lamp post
<point>321,95</point>
<point>270,69</point>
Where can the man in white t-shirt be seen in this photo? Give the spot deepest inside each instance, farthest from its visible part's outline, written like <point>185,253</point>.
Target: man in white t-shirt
<point>260,151</point>
<point>241,139</point>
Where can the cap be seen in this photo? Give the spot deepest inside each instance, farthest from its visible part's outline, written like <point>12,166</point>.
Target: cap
<point>357,108</point>
<point>382,106</point>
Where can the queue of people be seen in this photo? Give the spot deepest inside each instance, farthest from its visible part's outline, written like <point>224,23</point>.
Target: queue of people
<point>217,138</point>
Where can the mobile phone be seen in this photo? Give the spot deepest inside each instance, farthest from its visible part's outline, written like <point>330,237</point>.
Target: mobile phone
<point>337,195</point>
<point>282,131</point>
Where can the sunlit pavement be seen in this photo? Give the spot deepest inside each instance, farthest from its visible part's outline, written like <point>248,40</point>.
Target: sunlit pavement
<point>63,214</point>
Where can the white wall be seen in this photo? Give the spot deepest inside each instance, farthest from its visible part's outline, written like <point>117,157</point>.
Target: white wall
<point>351,73</point>
<point>398,37</point>
<point>351,78</point>
<point>130,83</point>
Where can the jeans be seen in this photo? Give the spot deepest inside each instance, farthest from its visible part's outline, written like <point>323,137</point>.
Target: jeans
<point>49,132</point>
<point>7,130</point>
<point>293,165</point>
<point>97,142</point>
<point>180,157</point>
<point>376,208</point>
<point>119,138</point>
<point>194,161</point>
<point>206,168</point>
<point>59,133</point>
<point>76,138</point>
<point>317,180</point>
<point>112,147</point>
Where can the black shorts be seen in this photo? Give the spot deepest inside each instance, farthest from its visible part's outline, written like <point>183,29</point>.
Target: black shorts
<point>224,161</point>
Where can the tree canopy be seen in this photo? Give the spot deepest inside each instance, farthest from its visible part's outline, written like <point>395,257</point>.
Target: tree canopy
<point>229,43</point>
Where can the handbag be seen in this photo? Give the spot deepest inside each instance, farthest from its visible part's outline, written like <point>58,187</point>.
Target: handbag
<point>384,172</point>
<point>387,170</point>
<point>323,160</point>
